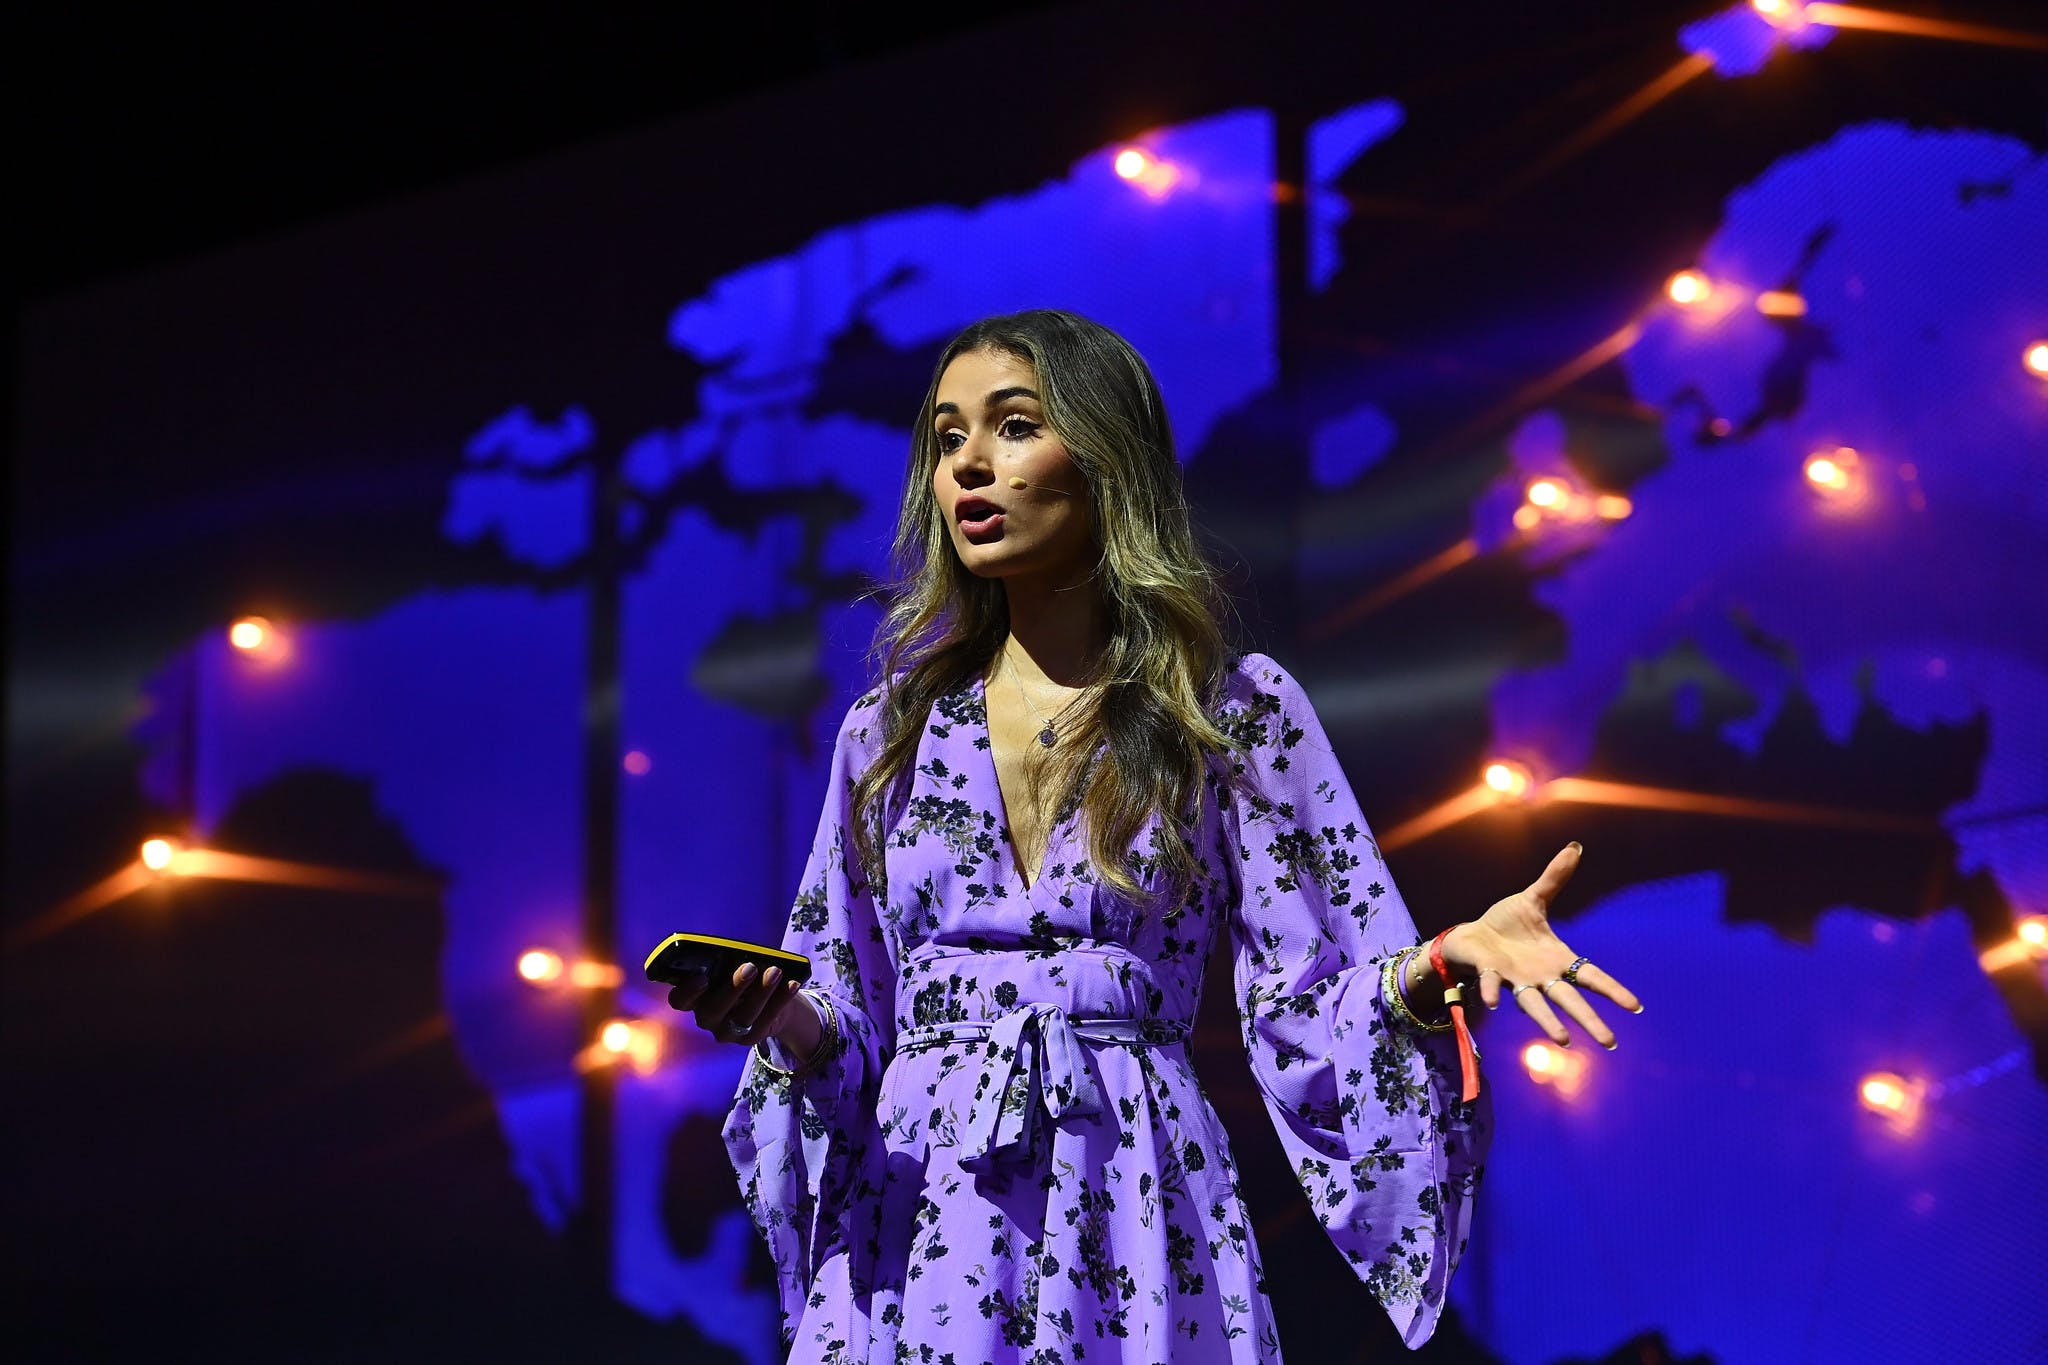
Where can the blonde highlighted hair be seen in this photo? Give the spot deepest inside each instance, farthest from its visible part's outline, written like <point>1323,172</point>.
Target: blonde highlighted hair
<point>1149,704</point>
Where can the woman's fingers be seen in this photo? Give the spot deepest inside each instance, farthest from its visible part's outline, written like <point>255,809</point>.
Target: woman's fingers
<point>715,1006</point>
<point>742,1009</point>
<point>1533,1004</point>
<point>686,995</point>
<point>1489,987</point>
<point>1547,886</point>
<point>1564,997</point>
<point>765,1023</point>
<point>759,994</point>
<point>1593,979</point>
<point>746,1008</point>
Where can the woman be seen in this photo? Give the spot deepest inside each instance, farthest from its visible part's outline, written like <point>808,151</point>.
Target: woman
<point>974,1135</point>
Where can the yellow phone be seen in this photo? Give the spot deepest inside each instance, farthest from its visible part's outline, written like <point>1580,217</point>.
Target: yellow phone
<point>679,956</point>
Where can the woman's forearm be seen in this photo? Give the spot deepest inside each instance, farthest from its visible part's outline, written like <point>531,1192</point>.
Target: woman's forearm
<point>799,1029</point>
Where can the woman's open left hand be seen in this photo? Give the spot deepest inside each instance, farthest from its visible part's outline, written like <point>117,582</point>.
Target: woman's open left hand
<point>1513,948</point>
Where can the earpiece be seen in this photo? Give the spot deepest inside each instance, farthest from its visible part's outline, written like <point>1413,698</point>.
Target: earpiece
<point>1020,486</point>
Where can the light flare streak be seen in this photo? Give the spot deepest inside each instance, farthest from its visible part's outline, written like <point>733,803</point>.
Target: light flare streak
<point>218,866</point>
<point>1592,792</point>
<point>1428,571</point>
<point>1659,88</point>
<point>1919,26</point>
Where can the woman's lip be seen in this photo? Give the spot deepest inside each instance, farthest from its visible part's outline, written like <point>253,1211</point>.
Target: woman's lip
<point>981,527</point>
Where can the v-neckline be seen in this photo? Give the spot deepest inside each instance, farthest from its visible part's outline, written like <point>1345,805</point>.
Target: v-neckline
<point>995,775</point>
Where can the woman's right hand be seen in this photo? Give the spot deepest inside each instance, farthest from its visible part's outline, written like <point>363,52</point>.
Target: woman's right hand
<point>751,1006</point>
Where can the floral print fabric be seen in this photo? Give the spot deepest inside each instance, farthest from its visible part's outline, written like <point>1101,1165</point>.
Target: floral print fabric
<point>1008,1157</point>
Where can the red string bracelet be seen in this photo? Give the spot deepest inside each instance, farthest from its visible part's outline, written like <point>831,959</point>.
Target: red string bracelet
<point>1454,996</point>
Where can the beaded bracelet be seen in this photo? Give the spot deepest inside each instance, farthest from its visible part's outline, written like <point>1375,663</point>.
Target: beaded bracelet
<point>828,1041</point>
<point>1394,990</point>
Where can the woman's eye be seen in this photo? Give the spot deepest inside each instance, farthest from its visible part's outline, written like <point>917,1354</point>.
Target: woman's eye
<point>949,441</point>
<point>1017,428</point>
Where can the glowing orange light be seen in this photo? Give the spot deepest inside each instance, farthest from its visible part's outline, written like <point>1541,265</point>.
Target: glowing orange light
<point>1688,288</point>
<point>594,975</point>
<point>2033,931</point>
<point>161,857</point>
<point>2014,952</point>
<point>1789,14</point>
<point>1832,471</point>
<point>1527,518</point>
<point>260,639</point>
<point>647,1047</point>
<point>1146,172</point>
<point>1780,303</point>
<point>1472,801</point>
<point>1917,26</point>
<point>1546,493</point>
<point>1612,507</point>
<point>1893,1098</point>
<point>1511,780</point>
<point>1592,792</point>
<point>637,763</point>
<point>540,966</point>
<point>2037,358</point>
<point>1559,1068</point>
<point>629,1040</point>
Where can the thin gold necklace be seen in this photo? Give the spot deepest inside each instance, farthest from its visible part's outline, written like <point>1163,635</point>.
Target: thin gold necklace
<point>1048,735</point>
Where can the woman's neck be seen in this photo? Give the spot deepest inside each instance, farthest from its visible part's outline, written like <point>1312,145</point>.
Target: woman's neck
<point>1056,634</point>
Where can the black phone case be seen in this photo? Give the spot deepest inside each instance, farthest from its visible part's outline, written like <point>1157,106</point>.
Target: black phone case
<point>679,956</point>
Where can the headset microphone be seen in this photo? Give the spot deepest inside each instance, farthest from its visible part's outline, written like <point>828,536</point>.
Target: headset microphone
<point>1020,485</point>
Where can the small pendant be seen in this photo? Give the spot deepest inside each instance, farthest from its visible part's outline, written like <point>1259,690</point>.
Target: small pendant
<point>1047,736</point>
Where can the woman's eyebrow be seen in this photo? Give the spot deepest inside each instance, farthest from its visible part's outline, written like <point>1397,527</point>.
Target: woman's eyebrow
<point>995,400</point>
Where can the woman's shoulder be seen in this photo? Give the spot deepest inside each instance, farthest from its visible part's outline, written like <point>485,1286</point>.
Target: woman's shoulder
<point>861,726</point>
<point>1262,706</point>
<point>864,726</point>
<point>1258,682</point>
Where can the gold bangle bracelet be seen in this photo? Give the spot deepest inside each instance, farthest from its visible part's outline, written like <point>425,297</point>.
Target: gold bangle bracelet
<point>828,1039</point>
<point>1392,974</point>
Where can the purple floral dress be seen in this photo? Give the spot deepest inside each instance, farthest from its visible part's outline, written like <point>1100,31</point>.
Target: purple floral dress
<point>1009,1157</point>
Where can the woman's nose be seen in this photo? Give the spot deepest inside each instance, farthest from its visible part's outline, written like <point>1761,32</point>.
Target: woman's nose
<point>971,464</point>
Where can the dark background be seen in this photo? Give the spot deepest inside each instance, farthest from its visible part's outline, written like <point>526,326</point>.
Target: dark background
<point>146,137</point>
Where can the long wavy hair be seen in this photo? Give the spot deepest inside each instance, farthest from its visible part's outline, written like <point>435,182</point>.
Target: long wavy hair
<point>1149,703</point>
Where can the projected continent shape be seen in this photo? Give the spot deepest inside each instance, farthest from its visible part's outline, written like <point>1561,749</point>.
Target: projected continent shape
<point>1916,255</point>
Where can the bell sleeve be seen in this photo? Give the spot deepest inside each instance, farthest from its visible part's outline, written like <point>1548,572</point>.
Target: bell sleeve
<point>804,1140</point>
<point>1366,1106</point>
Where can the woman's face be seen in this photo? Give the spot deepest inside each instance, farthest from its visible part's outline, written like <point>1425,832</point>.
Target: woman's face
<point>991,430</point>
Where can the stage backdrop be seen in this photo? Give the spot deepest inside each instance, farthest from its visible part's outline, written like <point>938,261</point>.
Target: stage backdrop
<point>564,495</point>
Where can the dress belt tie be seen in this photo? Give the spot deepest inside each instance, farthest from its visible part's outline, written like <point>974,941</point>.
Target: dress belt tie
<point>1033,1061</point>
